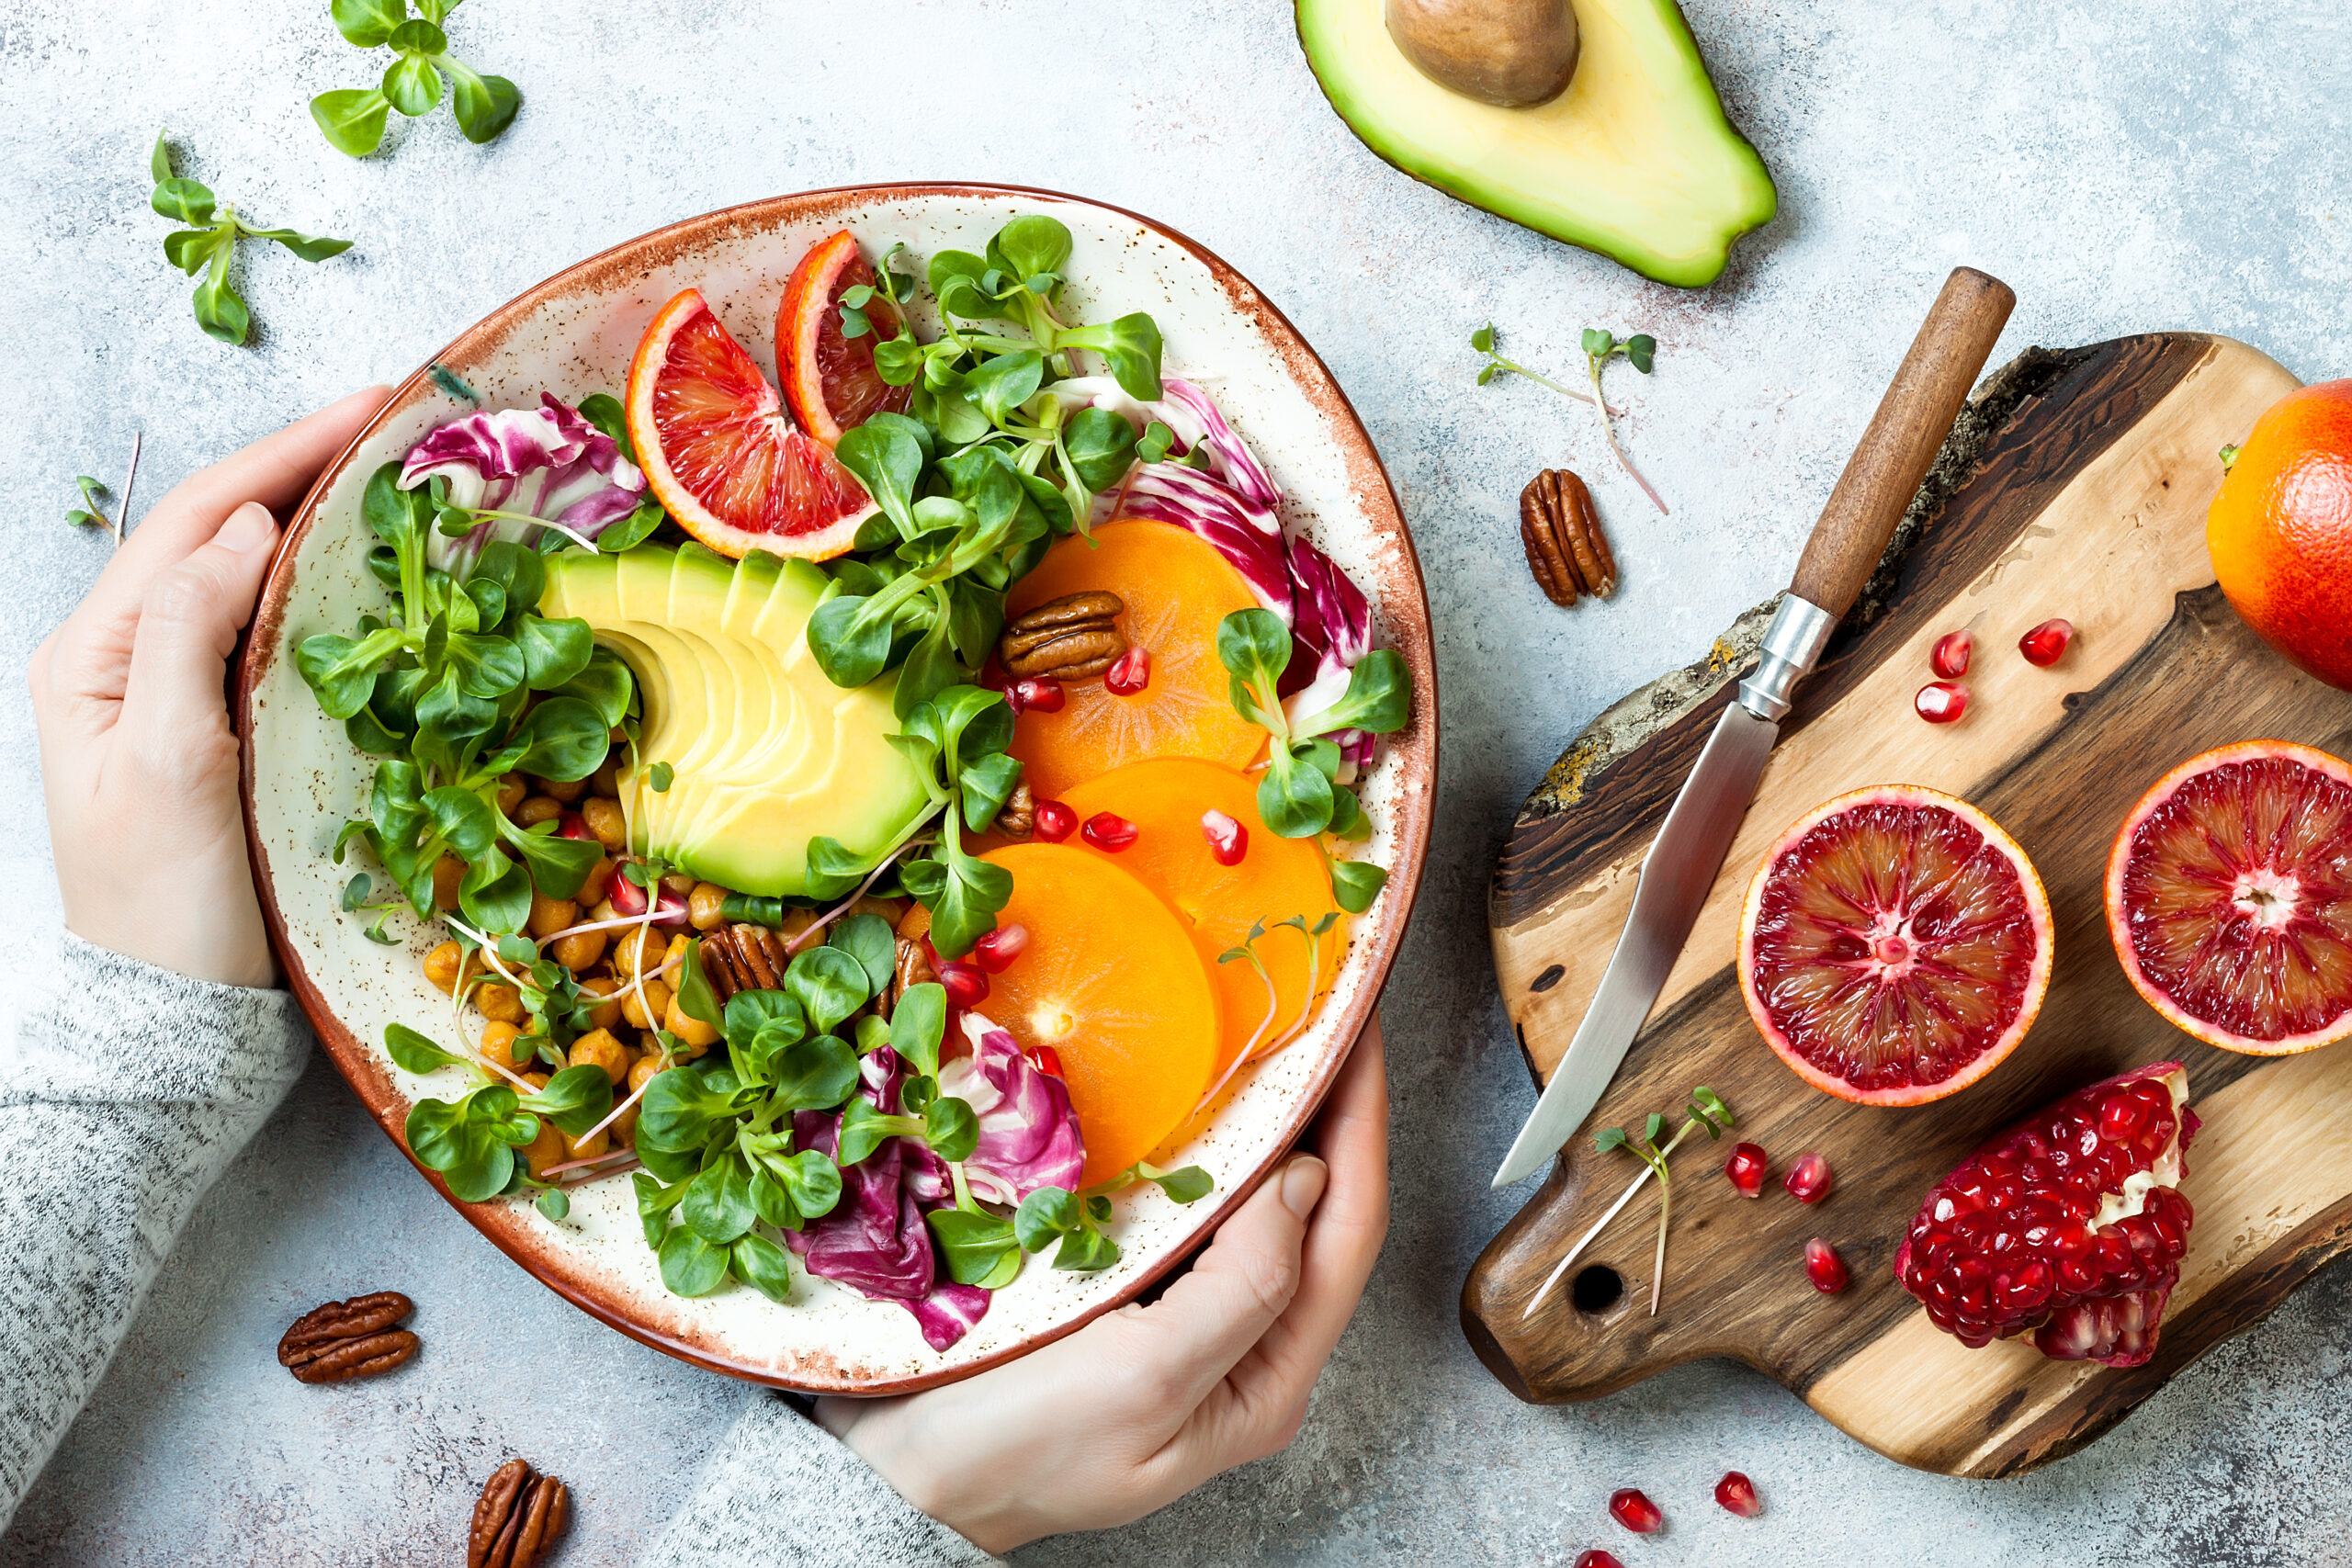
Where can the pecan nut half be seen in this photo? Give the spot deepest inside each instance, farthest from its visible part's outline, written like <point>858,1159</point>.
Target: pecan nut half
<point>1017,818</point>
<point>914,968</point>
<point>1562,533</point>
<point>344,1340</point>
<point>517,1519</point>
<point>1068,638</point>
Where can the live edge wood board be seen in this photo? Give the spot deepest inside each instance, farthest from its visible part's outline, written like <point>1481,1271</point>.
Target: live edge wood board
<point>2076,486</point>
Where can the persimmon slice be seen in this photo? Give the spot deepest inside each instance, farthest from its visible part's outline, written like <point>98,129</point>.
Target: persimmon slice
<point>1276,879</point>
<point>1176,589</point>
<point>1111,982</point>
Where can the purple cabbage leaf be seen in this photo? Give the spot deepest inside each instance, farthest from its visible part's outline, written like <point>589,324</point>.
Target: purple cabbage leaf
<point>549,463</point>
<point>1029,1134</point>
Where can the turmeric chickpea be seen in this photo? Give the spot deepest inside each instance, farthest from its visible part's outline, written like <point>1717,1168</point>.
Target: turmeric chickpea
<point>568,791</point>
<point>442,966</point>
<point>892,910</point>
<point>641,1071</point>
<point>545,1150</point>
<point>599,1048</point>
<point>508,1047</point>
<point>549,915</point>
<point>580,951</point>
<point>656,1003</point>
<point>589,1147</point>
<point>640,949</point>
<point>511,791</point>
<point>703,906</point>
<point>606,820</point>
<point>536,808</point>
<point>605,1014</point>
<point>499,1004</point>
<point>678,882</point>
<point>623,1130</point>
<point>606,781</point>
<point>675,953</point>
<point>447,872</point>
<point>693,1030</point>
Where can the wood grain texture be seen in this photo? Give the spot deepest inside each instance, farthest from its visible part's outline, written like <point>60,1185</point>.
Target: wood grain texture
<point>2089,503</point>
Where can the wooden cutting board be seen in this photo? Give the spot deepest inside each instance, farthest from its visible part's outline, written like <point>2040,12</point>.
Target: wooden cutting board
<point>2075,485</point>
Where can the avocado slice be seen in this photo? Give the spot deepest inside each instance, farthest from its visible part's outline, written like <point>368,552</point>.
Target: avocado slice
<point>1636,160</point>
<point>766,753</point>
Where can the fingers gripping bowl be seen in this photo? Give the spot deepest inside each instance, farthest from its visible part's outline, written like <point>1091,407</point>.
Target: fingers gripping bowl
<point>574,336</point>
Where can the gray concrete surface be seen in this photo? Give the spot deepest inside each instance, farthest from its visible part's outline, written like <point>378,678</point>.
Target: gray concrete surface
<point>2126,164</point>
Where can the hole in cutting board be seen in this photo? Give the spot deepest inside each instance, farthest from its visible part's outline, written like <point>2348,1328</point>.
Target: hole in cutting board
<point>1596,1288</point>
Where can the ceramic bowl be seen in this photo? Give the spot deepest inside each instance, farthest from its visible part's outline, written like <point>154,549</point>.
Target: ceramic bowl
<point>574,335</point>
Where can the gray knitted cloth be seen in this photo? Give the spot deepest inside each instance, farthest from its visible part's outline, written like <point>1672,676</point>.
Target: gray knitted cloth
<point>125,1095</point>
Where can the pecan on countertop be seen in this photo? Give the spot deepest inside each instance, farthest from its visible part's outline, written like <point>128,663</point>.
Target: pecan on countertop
<point>517,1520</point>
<point>1562,533</point>
<point>344,1340</point>
<point>1067,639</point>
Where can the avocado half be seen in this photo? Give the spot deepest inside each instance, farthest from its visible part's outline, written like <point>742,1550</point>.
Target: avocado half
<point>1636,160</point>
<point>765,752</point>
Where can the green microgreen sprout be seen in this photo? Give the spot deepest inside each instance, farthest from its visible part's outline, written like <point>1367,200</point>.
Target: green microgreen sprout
<point>1706,1109</point>
<point>354,118</point>
<point>92,513</point>
<point>210,246</point>
<point>1246,952</point>
<point>1599,347</point>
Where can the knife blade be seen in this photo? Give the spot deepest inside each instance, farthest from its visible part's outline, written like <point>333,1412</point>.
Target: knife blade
<point>1685,858</point>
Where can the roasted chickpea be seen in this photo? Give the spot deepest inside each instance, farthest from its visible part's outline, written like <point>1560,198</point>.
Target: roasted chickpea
<point>545,1150</point>
<point>606,1014</point>
<point>511,791</point>
<point>595,886</point>
<point>579,951</point>
<point>703,904</point>
<point>508,1047</point>
<point>549,915</point>
<point>599,1048</point>
<point>676,953</point>
<point>606,781</point>
<point>640,948</point>
<point>678,882</point>
<point>796,920</point>
<point>447,872</point>
<point>605,819</point>
<point>641,1071</point>
<point>442,966</point>
<point>589,1147</point>
<point>536,808</point>
<point>700,1036</point>
<point>568,791</point>
<point>499,1004</point>
<point>892,910</point>
<point>656,1003</point>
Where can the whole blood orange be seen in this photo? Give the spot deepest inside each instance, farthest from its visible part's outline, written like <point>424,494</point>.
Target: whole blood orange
<point>1111,983</point>
<point>828,378</point>
<point>1176,589</point>
<point>2280,530</point>
<point>1896,945</point>
<point>1274,879</point>
<point>718,450</point>
<point>2229,896</point>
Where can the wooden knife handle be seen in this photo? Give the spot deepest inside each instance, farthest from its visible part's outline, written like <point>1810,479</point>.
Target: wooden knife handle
<point>1902,439</point>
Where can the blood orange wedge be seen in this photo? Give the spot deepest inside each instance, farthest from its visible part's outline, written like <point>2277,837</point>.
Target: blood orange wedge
<point>2229,896</point>
<point>1896,945</point>
<point>1112,983</point>
<point>1176,589</point>
<point>721,454</point>
<point>830,381</point>
<point>1273,880</point>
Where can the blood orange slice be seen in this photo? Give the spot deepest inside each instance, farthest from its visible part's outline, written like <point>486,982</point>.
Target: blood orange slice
<point>721,454</point>
<point>828,378</point>
<point>1896,945</point>
<point>2229,896</point>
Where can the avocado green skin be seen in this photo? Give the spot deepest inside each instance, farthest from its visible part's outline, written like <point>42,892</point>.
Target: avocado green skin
<point>766,753</point>
<point>1728,190</point>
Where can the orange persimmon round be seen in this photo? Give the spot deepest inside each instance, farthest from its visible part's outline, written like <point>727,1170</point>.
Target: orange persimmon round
<point>1176,589</point>
<point>1111,981</point>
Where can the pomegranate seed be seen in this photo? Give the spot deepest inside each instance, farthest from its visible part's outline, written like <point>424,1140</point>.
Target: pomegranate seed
<point>1108,831</point>
<point>2046,644</point>
<point>1635,1511</point>
<point>996,951</point>
<point>1746,1168</point>
<point>1229,840</point>
<point>1129,674</point>
<point>571,825</point>
<point>1596,1558</point>
<point>1951,656</point>
<point>1808,1179</point>
<point>1048,1060</point>
<point>628,901</point>
<point>1942,701</point>
<point>1737,1493</point>
<point>966,987</point>
<point>1039,694</point>
<point>1825,1268</point>
<point>1052,821</point>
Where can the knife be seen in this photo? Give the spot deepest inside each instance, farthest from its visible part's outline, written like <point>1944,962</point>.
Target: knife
<point>1684,859</point>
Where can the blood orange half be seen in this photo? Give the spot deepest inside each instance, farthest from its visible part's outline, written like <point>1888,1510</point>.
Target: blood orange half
<point>2229,896</point>
<point>1896,945</point>
<point>721,454</point>
<point>828,378</point>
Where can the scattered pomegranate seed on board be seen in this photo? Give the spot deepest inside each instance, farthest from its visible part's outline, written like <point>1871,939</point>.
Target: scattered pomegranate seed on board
<point>1951,656</point>
<point>2046,644</point>
<point>966,986</point>
<point>1039,694</point>
<point>1130,673</point>
<point>1737,1493</point>
<point>1631,1508</point>
<point>996,951</point>
<point>1746,1168</point>
<point>1108,831</point>
<point>1942,701</point>
<point>1823,1268</point>
<point>1052,821</point>
<point>1596,1558</point>
<point>1229,840</point>
<point>1808,1179</point>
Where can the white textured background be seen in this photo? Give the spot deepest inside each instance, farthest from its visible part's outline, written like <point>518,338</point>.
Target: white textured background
<point>2126,164</point>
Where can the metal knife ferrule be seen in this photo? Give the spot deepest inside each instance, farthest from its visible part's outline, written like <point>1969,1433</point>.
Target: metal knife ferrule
<point>1799,630</point>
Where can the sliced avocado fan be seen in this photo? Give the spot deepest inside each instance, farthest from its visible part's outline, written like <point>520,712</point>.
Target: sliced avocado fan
<point>1636,160</point>
<point>764,751</point>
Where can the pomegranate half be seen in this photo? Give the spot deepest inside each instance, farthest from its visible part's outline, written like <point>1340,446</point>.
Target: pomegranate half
<point>2069,1226</point>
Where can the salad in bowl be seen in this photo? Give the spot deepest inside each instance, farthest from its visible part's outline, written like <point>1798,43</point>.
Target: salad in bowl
<point>846,864</point>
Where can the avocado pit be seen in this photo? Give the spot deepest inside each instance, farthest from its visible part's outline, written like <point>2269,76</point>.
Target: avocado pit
<point>1510,53</point>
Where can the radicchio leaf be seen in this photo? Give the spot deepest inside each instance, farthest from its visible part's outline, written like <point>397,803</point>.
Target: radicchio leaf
<point>547,461</point>
<point>1029,1134</point>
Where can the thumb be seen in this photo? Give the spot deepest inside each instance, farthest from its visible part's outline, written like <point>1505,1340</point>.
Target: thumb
<point>188,621</point>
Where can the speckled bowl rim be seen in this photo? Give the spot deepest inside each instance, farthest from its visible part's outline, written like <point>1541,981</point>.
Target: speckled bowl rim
<point>1404,607</point>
